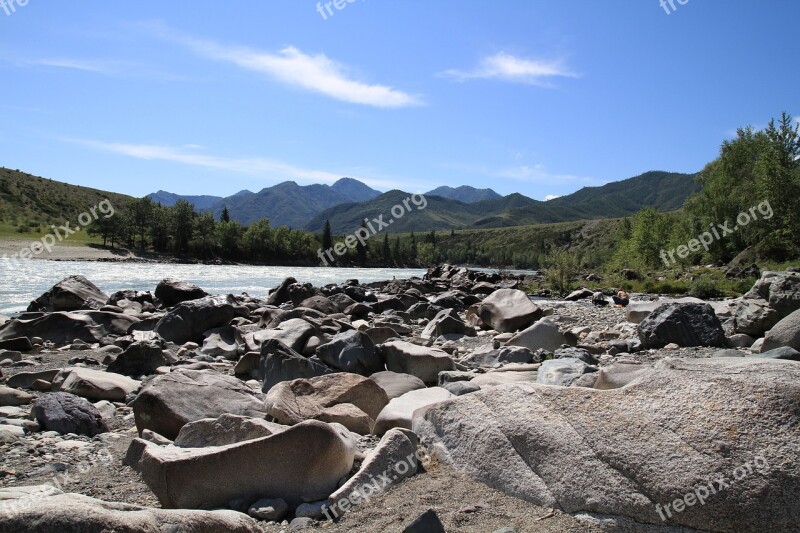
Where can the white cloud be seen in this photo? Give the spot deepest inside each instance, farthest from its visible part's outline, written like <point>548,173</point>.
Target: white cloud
<point>506,67</point>
<point>551,197</point>
<point>268,169</point>
<point>539,174</point>
<point>289,65</point>
<point>100,67</point>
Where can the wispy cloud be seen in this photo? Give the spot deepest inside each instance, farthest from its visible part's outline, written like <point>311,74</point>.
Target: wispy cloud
<point>268,169</point>
<point>113,69</point>
<point>101,67</point>
<point>539,174</point>
<point>317,73</point>
<point>506,67</point>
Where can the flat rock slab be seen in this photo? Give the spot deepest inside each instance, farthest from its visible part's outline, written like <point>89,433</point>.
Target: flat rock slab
<point>94,385</point>
<point>306,460</point>
<point>40,511</point>
<point>400,411</point>
<point>621,452</point>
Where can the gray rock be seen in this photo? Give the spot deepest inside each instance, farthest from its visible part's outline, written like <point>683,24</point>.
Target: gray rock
<point>685,324</point>
<point>393,460</point>
<point>786,353</point>
<point>64,328</point>
<point>301,523</point>
<point>580,294</point>
<point>226,341</point>
<point>321,304</point>
<point>575,353</point>
<point>508,310</point>
<point>227,429</point>
<point>638,311</point>
<point>24,380</point>
<point>67,413</point>
<point>293,332</point>
<point>561,372</point>
<point>349,399</point>
<point>306,459</point>
<point>70,294</point>
<point>495,358</point>
<point>279,363</point>
<point>14,397</point>
<point>444,323</point>
<point>40,511</point>
<point>428,522</point>
<point>395,384</point>
<point>351,351</point>
<point>167,403</point>
<point>754,317</point>
<point>420,361</point>
<point>460,388</point>
<point>187,321</point>
<point>399,412</point>
<point>172,291</point>
<point>544,334</point>
<point>10,355</point>
<point>94,385</point>
<point>740,340</point>
<point>785,333</point>
<point>270,510</point>
<point>607,451</point>
<point>313,510</point>
<point>140,359</point>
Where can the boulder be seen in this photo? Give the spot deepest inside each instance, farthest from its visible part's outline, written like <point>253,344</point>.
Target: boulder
<point>399,412</point>
<point>637,311</point>
<point>271,510</point>
<point>187,321</point>
<point>381,334</point>
<point>94,385</point>
<point>786,353</point>
<point>785,333</point>
<point>321,304</point>
<point>70,294</point>
<point>580,294</point>
<point>294,333</point>
<point>25,380</point>
<point>349,399</point>
<point>167,403</point>
<point>495,358</point>
<point>63,328</point>
<point>508,310</point>
<point>172,291</point>
<point>19,344</point>
<point>445,323</point>
<point>424,310</point>
<point>459,388</point>
<point>280,363</point>
<point>754,317</point>
<point>562,372</point>
<point>67,413</point>
<point>45,510</point>
<point>544,334</point>
<point>393,460</point>
<point>684,324</point>
<point>14,397</point>
<point>306,460</point>
<point>351,351</point>
<point>395,384</point>
<point>629,451</point>
<point>424,363</point>
<point>227,429</point>
<point>141,358</point>
<point>781,290</point>
<point>226,341</point>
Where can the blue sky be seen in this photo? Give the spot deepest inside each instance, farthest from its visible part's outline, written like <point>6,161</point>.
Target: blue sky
<point>537,97</point>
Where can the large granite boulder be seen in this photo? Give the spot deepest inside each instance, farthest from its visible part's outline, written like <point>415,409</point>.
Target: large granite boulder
<point>94,385</point>
<point>43,509</point>
<point>303,463</point>
<point>685,324</point>
<point>226,341</point>
<point>227,429</point>
<point>396,384</point>
<point>399,412</point>
<point>172,291</point>
<point>508,310</point>
<point>293,332</point>
<point>544,335</point>
<point>785,333</point>
<point>70,294</point>
<point>447,322</point>
<point>187,321</point>
<point>280,363</point>
<point>349,399</point>
<point>351,351</point>
<point>63,327</point>
<point>420,361</point>
<point>67,413</point>
<point>561,372</point>
<point>167,403</point>
<point>680,429</point>
<point>141,358</point>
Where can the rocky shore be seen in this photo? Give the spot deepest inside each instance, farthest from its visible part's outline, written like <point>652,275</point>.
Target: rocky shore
<point>450,403</point>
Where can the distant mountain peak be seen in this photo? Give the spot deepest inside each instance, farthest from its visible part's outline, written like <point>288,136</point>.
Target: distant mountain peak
<point>464,193</point>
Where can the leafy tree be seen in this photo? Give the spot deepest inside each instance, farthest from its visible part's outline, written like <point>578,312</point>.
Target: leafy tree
<point>183,225</point>
<point>562,267</point>
<point>229,235</point>
<point>141,214</point>
<point>205,226</point>
<point>258,239</point>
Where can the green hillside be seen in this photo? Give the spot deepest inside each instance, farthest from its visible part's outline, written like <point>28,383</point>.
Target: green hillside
<point>30,202</point>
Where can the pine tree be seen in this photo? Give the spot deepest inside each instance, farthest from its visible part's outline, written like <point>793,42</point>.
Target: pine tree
<point>225,216</point>
<point>387,253</point>
<point>361,247</point>
<point>327,236</point>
